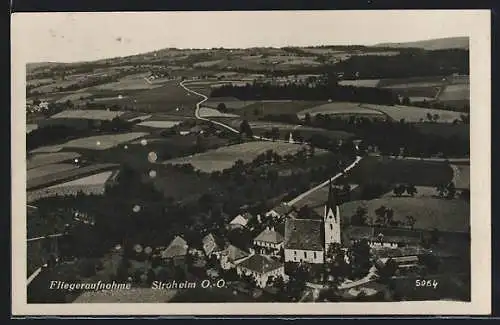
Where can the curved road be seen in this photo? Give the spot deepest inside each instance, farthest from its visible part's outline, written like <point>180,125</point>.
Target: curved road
<point>301,196</point>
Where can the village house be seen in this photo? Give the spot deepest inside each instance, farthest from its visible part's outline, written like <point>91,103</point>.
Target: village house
<point>279,211</point>
<point>378,237</point>
<point>261,268</point>
<point>240,221</point>
<point>231,256</point>
<point>268,242</point>
<point>176,251</point>
<point>212,245</point>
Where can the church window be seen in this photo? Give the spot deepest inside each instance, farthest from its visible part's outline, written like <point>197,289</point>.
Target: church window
<point>331,227</point>
<point>295,252</point>
<point>305,254</point>
<point>314,255</point>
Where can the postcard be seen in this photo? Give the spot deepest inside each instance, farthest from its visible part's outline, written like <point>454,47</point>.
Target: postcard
<point>251,163</point>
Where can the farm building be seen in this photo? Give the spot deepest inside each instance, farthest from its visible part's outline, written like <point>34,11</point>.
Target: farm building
<point>232,256</point>
<point>176,251</point>
<point>261,268</point>
<point>240,221</point>
<point>279,211</point>
<point>268,242</point>
<point>212,245</point>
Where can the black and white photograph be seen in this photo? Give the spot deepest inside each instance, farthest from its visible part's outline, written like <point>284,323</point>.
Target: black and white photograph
<point>228,160</point>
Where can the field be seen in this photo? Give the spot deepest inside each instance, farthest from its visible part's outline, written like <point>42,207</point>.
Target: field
<point>455,92</point>
<point>93,184</point>
<point>75,96</point>
<point>31,127</point>
<point>65,175</point>
<point>225,157</point>
<point>413,114</point>
<point>429,213</point>
<point>262,108</point>
<point>159,124</point>
<point>42,171</point>
<point>166,98</point>
<point>131,82</point>
<point>211,112</point>
<point>461,176</point>
<point>396,171</point>
<point>342,108</point>
<point>231,103</point>
<point>88,114</point>
<point>373,83</point>
<point>98,142</point>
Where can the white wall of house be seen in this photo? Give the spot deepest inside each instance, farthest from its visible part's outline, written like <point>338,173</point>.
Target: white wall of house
<point>298,255</point>
<point>260,278</point>
<point>227,264</point>
<point>276,246</point>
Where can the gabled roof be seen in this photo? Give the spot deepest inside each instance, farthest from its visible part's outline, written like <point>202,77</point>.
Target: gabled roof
<point>177,247</point>
<point>270,236</point>
<point>260,264</point>
<point>282,209</point>
<point>211,244</point>
<point>304,234</point>
<point>233,253</point>
<point>241,219</point>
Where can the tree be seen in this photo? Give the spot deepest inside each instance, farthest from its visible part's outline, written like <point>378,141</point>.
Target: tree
<point>465,194</point>
<point>275,133</point>
<point>399,190</point>
<point>380,213</point>
<point>246,129</point>
<point>359,217</point>
<point>411,190</point>
<point>441,189</point>
<point>361,258</point>
<point>307,119</point>
<point>429,117</point>
<point>388,270</point>
<point>410,221</point>
<point>435,117</point>
<point>451,191</point>
<point>389,217</point>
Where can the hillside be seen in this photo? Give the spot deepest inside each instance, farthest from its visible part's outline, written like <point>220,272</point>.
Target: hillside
<point>433,44</point>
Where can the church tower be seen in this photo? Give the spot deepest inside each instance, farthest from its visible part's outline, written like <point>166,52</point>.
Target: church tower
<point>332,219</point>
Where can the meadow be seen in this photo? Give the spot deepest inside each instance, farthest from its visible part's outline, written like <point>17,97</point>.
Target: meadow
<point>211,112</point>
<point>412,113</point>
<point>103,115</point>
<point>360,83</point>
<point>400,171</point>
<point>455,92</point>
<point>38,160</point>
<point>159,124</point>
<point>461,176</point>
<point>130,82</point>
<point>445,215</point>
<point>225,157</point>
<point>45,170</point>
<point>340,108</point>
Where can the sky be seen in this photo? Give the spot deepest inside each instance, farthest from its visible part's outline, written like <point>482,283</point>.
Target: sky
<point>72,37</point>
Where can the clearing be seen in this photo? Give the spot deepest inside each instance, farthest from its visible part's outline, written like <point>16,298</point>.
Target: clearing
<point>341,108</point>
<point>461,176</point>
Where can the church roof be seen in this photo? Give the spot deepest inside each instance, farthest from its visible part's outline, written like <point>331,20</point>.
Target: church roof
<point>282,209</point>
<point>260,263</point>
<point>270,236</point>
<point>304,234</point>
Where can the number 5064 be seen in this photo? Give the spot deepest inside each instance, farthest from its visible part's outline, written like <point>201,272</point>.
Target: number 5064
<point>426,283</point>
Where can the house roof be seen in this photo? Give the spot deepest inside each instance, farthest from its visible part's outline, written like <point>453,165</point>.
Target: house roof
<point>282,209</point>
<point>177,247</point>
<point>241,219</point>
<point>233,253</point>
<point>260,263</point>
<point>270,236</point>
<point>304,234</point>
<point>211,244</point>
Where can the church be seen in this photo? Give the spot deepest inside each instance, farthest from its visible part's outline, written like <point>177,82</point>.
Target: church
<point>307,240</point>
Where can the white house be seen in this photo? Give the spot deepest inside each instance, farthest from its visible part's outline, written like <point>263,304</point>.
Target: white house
<point>240,221</point>
<point>269,241</point>
<point>176,251</point>
<point>261,268</point>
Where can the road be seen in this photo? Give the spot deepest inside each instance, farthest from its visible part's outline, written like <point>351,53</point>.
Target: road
<point>325,183</point>
<point>301,196</point>
<point>205,98</point>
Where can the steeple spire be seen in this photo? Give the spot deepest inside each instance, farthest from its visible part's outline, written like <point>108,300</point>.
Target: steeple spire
<point>331,204</point>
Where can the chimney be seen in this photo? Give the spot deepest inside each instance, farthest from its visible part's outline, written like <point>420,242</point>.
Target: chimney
<point>272,228</point>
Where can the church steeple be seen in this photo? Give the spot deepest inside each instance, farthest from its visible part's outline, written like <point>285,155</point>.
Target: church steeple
<point>332,218</point>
